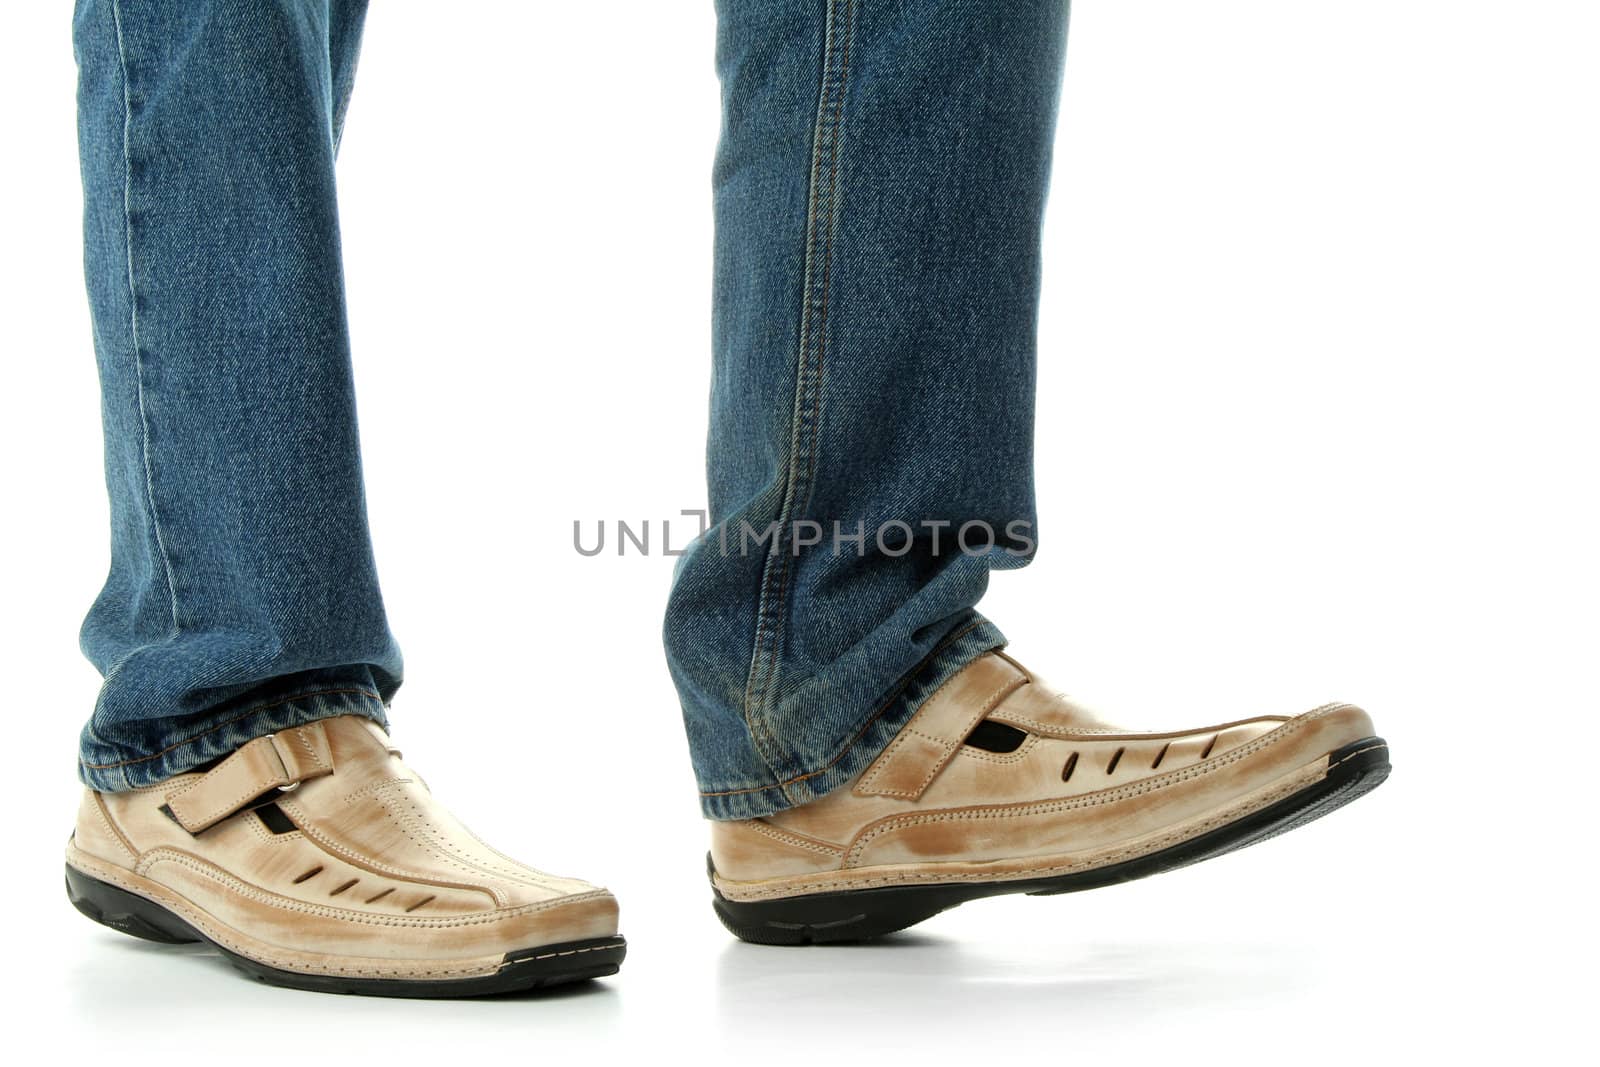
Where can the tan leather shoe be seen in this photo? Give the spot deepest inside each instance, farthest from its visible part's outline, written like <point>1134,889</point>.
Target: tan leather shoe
<point>999,785</point>
<point>315,858</point>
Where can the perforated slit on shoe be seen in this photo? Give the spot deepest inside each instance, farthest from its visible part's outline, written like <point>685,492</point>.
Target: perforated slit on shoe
<point>1072,762</point>
<point>996,737</point>
<point>1116,757</point>
<point>379,896</point>
<point>343,887</point>
<point>1210,745</point>
<point>1161,755</point>
<point>420,903</point>
<point>312,873</point>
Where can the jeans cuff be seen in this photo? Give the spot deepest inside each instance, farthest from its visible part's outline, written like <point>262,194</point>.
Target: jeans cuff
<point>112,768</point>
<point>965,645</point>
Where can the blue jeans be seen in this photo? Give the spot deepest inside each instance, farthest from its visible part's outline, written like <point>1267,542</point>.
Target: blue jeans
<point>879,190</point>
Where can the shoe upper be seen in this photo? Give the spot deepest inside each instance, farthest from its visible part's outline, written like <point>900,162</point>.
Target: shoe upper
<point>320,839</point>
<point>1047,783</point>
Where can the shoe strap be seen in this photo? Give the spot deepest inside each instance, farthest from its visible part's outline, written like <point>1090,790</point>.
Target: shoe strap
<point>277,761</point>
<point>935,733</point>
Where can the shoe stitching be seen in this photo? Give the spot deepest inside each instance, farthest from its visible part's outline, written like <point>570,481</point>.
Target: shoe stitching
<point>1103,797</point>
<point>305,742</point>
<point>1231,815</point>
<point>968,752</point>
<point>904,684</point>
<point>111,826</point>
<point>356,859</point>
<point>245,889</point>
<point>1348,756</point>
<point>254,789</point>
<point>375,787</point>
<point>491,850</point>
<point>989,703</point>
<point>514,871</point>
<point>810,844</point>
<point>204,923</point>
<point>1058,733</point>
<point>574,952</point>
<point>268,838</point>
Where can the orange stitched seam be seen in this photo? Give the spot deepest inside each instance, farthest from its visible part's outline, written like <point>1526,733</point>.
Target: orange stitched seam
<point>823,242</point>
<point>229,722</point>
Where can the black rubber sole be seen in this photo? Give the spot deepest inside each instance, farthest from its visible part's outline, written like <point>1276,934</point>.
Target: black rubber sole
<point>521,971</point>
<point>861,914</point>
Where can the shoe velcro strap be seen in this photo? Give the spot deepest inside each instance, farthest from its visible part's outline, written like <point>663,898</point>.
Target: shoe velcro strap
<point>935,733</point>
<point>278,761</point>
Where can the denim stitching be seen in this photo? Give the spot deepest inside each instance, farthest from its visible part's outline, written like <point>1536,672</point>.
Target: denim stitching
<point>905,683</point>
<point>229,722</point>
<point>821,223</point>
<point>133,314</point>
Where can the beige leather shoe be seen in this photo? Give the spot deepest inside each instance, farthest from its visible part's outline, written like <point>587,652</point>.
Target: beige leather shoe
<point>999,785</point>
<point>315,858</point>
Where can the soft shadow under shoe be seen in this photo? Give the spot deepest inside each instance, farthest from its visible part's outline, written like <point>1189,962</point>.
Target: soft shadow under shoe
<point>1000,785</point>
<point>315,858</point>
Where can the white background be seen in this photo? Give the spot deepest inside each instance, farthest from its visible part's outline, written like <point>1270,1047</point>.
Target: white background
<point>1317,420</point>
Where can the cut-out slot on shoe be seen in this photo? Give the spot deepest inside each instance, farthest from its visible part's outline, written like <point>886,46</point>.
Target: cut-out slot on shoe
<point>343,887</point>
<point>312,873</point>
<point>1116,758</point>
<point>996,737</point>
<point>274,819</point>
<point>379,896</point>
<point>420,903</point>
<point>1161,755</point>
<point>1211,744</point>
<point>1072,762</point>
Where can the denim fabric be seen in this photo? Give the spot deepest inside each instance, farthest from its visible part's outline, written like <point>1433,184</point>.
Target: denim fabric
<point>879,192</point>
<point>242,596</point>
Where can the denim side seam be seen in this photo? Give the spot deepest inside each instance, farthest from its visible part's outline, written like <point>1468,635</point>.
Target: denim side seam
<point>108,767</point>
<point>133,316</point>
<point>822,217</point>
<point>946,660</point>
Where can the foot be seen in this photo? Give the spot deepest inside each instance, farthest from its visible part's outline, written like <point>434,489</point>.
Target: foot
<point>999,785</point>
<point>315,858</point>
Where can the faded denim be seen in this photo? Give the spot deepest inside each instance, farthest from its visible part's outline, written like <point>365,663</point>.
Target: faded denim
<point>879,194</point>
<point>242,596</point>
<point>879,191</point>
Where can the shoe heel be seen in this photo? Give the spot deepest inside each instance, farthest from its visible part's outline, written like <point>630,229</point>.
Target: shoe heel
<point>125,911</point>
<point>832,918</point>
<point>812,921</point>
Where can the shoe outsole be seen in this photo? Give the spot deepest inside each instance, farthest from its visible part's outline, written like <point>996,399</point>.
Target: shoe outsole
<point>861,914</point>
<point>521,971</point>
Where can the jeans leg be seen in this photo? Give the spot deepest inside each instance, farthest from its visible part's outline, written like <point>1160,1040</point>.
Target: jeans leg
<point>242,596</point>
<point>879,194</point>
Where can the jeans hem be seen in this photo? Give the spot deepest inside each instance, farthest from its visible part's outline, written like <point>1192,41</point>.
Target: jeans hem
<point>956,653</point>
<point>114,768</point>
